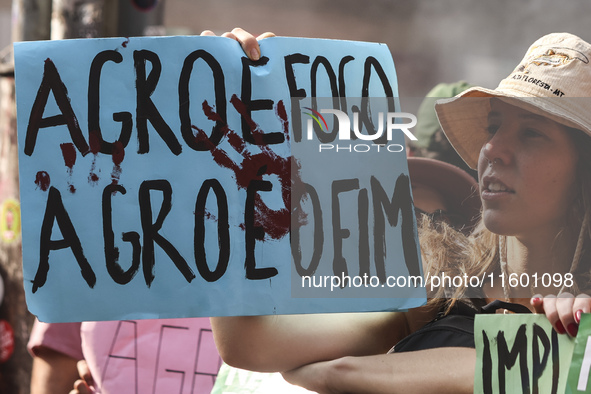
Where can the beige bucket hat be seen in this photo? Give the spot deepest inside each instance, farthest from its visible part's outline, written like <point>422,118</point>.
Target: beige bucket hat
<point>552,80</point>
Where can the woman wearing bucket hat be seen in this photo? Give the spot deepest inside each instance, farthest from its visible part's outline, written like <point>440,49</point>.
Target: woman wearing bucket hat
<point>529,139</point>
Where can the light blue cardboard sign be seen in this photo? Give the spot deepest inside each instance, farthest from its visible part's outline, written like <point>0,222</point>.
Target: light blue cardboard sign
<point>156,175</point>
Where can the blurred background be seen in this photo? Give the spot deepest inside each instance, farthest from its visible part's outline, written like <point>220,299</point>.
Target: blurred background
<point>431,41</point>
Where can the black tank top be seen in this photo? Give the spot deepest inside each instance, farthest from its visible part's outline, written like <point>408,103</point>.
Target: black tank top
<point>454,329</point>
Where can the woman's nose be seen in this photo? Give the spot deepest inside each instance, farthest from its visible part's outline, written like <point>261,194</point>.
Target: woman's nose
<point>498,149</point>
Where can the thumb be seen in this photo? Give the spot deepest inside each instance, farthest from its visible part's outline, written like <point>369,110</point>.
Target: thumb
<point>537,301</point>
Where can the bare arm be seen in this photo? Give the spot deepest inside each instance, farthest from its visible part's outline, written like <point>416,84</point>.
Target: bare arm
<point>53,372</point>
<point>284,342</point>
<point>441,370</point>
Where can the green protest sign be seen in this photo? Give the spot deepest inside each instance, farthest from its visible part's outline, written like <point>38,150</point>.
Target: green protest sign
<point>232,380</point>
<point>578,375</point>
<point>520,353</point>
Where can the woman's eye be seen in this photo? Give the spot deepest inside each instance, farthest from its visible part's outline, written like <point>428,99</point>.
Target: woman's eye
<point>532,133</point>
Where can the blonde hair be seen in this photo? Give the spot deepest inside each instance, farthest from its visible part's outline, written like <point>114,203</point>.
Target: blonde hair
<point>449,252</point>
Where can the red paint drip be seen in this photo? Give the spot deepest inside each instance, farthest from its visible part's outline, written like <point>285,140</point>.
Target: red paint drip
<point>94,142</point>
<point>210,216</point>
<point>124,43</point>
<point>117,155</point>
<point>69,154</point>
<point>42,180</point>
<point>282,114</point>
<point>93,178</point>
<point>115,175</point>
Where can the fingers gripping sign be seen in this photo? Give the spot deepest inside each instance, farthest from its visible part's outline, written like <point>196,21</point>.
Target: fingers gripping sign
<point>248,41</point>
<point>580,369</point>
<point>84,385</point>
<point>563,311</point>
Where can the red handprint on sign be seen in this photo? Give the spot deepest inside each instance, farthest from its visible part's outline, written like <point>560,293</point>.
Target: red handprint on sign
<point>275,222</point>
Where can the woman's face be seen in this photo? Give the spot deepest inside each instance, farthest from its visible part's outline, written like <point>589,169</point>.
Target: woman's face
<point>526,172</point>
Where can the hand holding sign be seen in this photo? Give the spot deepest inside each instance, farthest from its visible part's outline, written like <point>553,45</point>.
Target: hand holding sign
<point>520,352</point>
<point>248,42</point>
<point>83,385</point>
<point>194,211</point>
<point>563,312</point>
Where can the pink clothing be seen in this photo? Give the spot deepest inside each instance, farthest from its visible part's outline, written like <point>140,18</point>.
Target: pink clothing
<point>61,337</point>
<point>140,356</point>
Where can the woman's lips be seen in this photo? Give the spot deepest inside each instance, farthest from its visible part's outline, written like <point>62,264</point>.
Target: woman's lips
<point>494,188</point>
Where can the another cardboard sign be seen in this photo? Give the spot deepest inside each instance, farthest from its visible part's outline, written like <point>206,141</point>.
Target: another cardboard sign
<point>520,353</point>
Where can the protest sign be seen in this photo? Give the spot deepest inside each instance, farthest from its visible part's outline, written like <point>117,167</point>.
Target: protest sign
<point>153,356</point>
<point>232,380</point>
<point>156,179</point>
<point>580,368</point>
<point>520,353</point>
